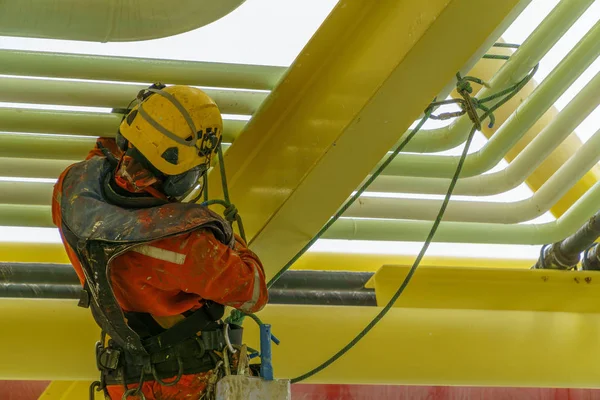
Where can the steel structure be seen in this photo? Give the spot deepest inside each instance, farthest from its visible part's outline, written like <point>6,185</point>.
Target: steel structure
<point>318,129</point>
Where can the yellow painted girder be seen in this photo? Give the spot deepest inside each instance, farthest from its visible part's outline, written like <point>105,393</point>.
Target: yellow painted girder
<point>54,339</point>
<point>490,289</point>
<point>54,253</point>
<point>365,76</point>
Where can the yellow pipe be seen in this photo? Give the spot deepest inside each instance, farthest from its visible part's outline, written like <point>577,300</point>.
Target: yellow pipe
<point>55,340</point>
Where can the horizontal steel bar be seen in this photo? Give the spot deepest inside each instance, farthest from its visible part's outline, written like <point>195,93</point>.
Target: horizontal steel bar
<point>38,273</point>
<point>110,95</point>
<point>144,70</point>
<point>302,279</point>
<point>64,274</point>
<point>79,123</point>
<point>39,291</point>
<point>364,298</point>
<point>326,280</point>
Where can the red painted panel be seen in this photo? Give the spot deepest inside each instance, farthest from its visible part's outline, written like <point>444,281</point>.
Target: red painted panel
<point>367,392</point>
<point>22,390</point>
<point>30,390</point>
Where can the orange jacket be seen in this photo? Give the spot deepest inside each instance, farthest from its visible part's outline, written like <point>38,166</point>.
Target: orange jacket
<point>170,276</point>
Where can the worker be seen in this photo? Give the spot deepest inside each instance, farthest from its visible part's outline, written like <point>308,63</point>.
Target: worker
<point>156,272</point>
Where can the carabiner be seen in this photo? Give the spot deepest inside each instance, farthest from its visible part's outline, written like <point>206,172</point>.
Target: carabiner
<point>227,340</point>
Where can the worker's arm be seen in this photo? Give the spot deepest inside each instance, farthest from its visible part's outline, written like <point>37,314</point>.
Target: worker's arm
<point>233,277</point>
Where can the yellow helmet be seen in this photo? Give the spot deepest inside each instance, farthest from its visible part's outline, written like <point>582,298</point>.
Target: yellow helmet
<point>176,128</point>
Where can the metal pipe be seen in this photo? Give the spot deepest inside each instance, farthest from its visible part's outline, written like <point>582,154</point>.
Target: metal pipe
<point>64,274</point>
<point>509,133</point>
<point>39,291</point>
<point>535,47</point>
<point>77,123</point>
<point>566,253</point>
<point>364,298</point>
<point>110,95</point>
<point>144,70</point>
<point>25,193</point>
<point>326,280</point>
<point>27,168</point>
<point>38,273</point>
<point>470,232</point>
<point>539,203</point>
<point>109,21</point>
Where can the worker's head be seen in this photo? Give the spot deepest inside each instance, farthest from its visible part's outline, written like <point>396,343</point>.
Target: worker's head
<point>168,139</point>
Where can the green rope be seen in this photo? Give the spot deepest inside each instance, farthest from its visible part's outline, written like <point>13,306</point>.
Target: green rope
<point>430,236</point>
<point>231,212</point>
<point>408,277</point>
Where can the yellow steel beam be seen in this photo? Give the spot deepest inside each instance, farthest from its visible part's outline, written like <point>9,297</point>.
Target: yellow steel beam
<point>448,346</point>
<point>490,289</point>
<point>54,253</point>
<point>367,73</point>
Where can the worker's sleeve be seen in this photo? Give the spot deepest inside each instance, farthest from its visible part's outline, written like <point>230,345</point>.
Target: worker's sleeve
<point>108,143</point>
<point>233,277</point>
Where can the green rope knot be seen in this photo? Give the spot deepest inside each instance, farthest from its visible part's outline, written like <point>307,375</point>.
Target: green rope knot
<point>236,317</point>
<point>464,86</point>
<point>230,213</point>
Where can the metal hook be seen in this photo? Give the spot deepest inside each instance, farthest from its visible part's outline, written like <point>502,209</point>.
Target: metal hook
<point>95,387</point>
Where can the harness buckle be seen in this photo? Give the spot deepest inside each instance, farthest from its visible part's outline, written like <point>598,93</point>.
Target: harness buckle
<point>108,358</point>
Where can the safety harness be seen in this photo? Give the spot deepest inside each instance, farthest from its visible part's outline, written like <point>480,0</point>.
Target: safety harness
<point>138,349</point>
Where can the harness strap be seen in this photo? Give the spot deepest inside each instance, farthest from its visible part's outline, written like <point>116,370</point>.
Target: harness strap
<point>203,319</point>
